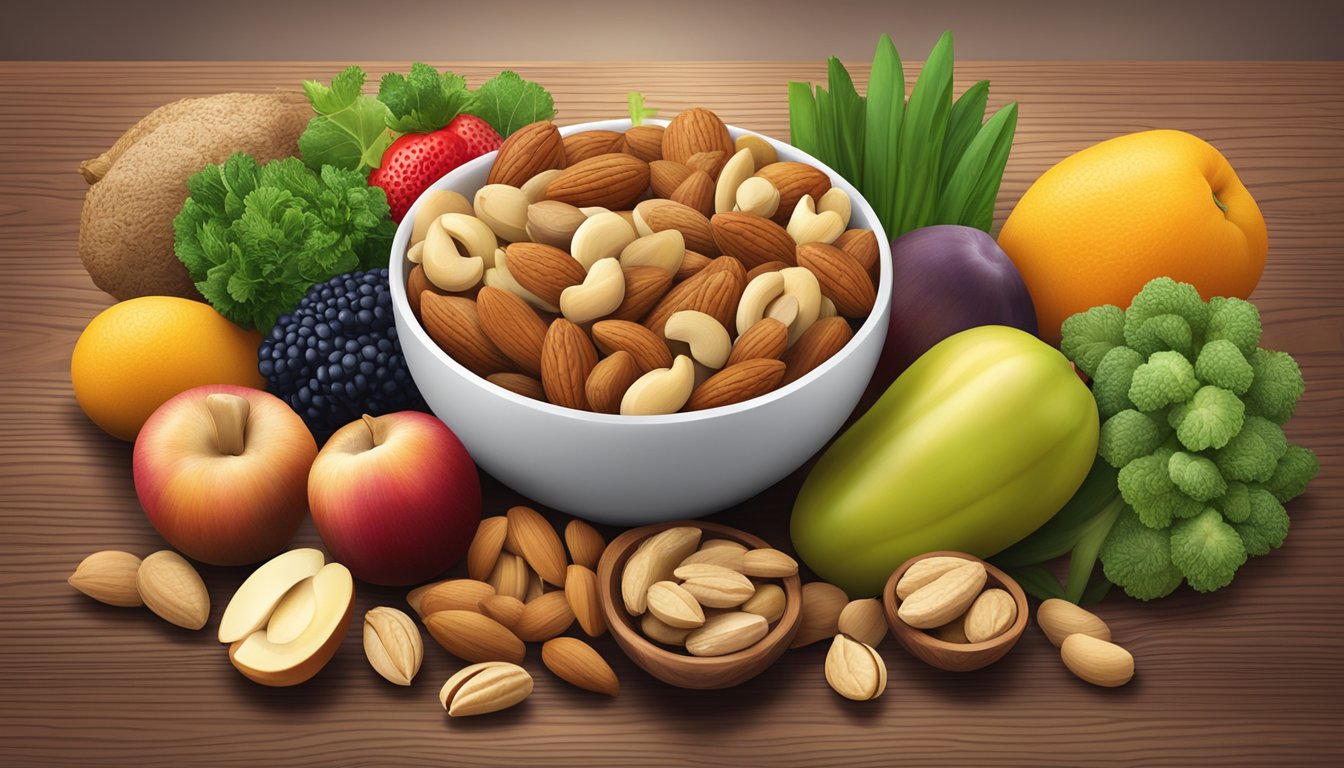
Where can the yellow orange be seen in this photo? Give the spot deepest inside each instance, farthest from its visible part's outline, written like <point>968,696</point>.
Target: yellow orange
<point>137,354</point>
<point>1103,222</point>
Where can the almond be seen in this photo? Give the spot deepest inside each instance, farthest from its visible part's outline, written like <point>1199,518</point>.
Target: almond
<point>473,637</point>
<point>392,644</point>
<point>645,142</point>
<point>842,278</point>
<point>567,358</point>
<point>715,586</point>
<point>536,586</point>
<point>697,191</point>
<point>691,264</point>
<point>727,633</point>
<point>513,326</point>
<point>519,384</point>
<point>854,670</point>
<point>654,561</point>
<point>173,590</point>
<point>817,344</point>
<point>695,130</point>
<point>953,631</point>
<point>659,632</point>
<point>793,180</point>
<point>416,284</point>
<point>534,148</point>
<point>609,380</point>
<point>538,543</point>
<point>511,576</point>
<point>648,350</point>
<point>726,543</point>
<point>454,324</point>
<point>644,286</point>
<point>485,547</point>
<point>480,689</point>
<point>582,595</point>
<point>768,564</point>
<point>585,544</point>
<point>944,598</point>
<point>505,609</point>
<point>992,613</point>
<point>726,557</point>
<point>665,176</point>
<point>543,270</point>
<point>614,181</point>
<point>925,571</point>
<point>575,662</point>
<point>769,266</point>
<point>693,225</point>
<point>545,617</point>
<point>711,163</point>
<point>1097,661</point>
<point>766,339</point>
<point>754,239</point>
<point>585,144</point>
<point>674,605</point>
<point>862,245</point>
<point>1059,618</point>
<point>553,223</point>
<point>737,383</point>
<point>864,621</point>
<point>109,577</point>
<point>454,595</point>
<point>822,604</point>
<point>715,291</point>
<point>768,602</point>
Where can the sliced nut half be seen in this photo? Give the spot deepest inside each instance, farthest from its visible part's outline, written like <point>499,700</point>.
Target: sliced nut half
<point>600,293</point>
<point>709,341</point>
<point>664,250</point>
<point>784,309</point>
<point>808,226</point>
<point>757,195</point>
<point>738,169</point>
<point>444,264</point>
<point>504,209</point>
<point>660,391</point>
<point>600,236</point>
<point>763,289</point>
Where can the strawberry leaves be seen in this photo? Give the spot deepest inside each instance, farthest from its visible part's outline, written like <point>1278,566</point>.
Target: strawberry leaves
<point>508,102</point>
<point>424,100</point>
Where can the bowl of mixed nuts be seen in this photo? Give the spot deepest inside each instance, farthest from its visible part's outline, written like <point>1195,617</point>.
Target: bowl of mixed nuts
<point>593,305</point>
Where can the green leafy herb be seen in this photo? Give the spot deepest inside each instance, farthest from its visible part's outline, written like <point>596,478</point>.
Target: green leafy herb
<point>923,162</point>
<point>350,130</point>
<point>255,237</point>
<point>508,102</point>
<point>638,112</point>
<point>424,100</point>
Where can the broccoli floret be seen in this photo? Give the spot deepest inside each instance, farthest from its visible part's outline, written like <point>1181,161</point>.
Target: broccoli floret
<point>1138,559</point>
<point>1110,384</point>
<point>1207,550</point>
<point>1234,320</point>
<point>1086,337</point>
<point>1236,503</point>
<point>1253,453</point>
<point>1165,315</point>
<point>1165,379</point>
<point>1220,363</point>
<point>1196,476</point>
<point>1276,387</point>
<point>1145,484</point>
<point>1128,435</point>
<point>1208,420</point>
<point>1266,526</point>
<point>1295,469</point>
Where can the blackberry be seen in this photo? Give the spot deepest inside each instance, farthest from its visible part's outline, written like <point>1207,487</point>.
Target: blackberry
<point>336,357</point>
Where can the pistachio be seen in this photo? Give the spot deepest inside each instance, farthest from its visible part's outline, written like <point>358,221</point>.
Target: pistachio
<point>486,687</point>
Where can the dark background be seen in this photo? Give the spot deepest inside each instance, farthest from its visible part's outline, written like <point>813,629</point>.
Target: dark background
<point>527,30</point>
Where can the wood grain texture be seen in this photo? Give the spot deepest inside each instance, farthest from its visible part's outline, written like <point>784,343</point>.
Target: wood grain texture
<point>1248,676</point>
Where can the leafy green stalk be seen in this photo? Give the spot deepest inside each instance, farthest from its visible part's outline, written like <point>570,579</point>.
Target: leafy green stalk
<point>963,123</point>
<point>882,129</point>
<point>849,121</point>
<point>971,190</point>
<point>350,130</point>
<point>923,133</point>
<point>638,112</point>
<point>804,128</point>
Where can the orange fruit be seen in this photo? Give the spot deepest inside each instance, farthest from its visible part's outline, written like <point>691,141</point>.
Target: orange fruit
<point>1098,226</point>
<point>137,354</point>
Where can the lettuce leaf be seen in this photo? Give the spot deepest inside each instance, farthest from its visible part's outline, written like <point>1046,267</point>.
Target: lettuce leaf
<point>350,130</point>
<point>508,102</point>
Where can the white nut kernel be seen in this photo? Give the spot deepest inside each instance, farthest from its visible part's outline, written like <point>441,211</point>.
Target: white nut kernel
<point>836,200</point>
<point>738,169</point>
<point>808,226</point>
<point>660,391</point>
<point>436,203</point>
<point>598,295</point>
<point>708,339</point>
<point>800,283</point>
<point>504,209</point>
<point>757,195</point>
<point>663,250</point>
<point>445,266</point>
<point>601,236</point>
<point>762,290</point>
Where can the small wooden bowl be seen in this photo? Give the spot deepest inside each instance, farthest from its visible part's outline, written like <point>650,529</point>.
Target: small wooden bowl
<point>955,657</point>
<point>682,669</point>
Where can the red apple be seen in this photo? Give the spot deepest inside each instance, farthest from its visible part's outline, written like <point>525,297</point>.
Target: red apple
<point>222,472</point>
<point>395,497</point>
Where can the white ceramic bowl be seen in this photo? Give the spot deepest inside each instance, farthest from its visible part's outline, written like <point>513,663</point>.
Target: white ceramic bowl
<point>632,470</point>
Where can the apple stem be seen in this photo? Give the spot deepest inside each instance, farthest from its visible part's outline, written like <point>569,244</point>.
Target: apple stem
<point>229,415</point>
<point>376,428</point>
<point>1221,205</point>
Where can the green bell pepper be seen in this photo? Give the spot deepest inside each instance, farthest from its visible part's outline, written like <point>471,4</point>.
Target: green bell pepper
<point>977,444</point>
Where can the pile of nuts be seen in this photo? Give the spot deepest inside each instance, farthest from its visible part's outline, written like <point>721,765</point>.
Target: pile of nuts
<point>1084,643</point>
<point>947,596</point>
<point>164,582</point>
<point>562,280</point>
<point>711,599</point>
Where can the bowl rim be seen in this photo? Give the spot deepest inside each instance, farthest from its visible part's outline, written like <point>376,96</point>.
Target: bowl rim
<point>876,321</point>
<point>608,577</point>
<point>905,633</point>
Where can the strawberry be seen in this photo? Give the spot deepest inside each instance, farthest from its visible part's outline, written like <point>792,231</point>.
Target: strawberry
<point>478,134</point>
<point>415,161</point>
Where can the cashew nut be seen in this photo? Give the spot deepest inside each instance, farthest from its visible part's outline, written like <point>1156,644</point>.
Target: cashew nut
<point>436,203</point>
<point>601,236</point>
<point>416,253</point>
<point>600,293</point>
<point>708,339</point>
<point>808,226</point>
<point>738,169</point>
<point>504,209</point>
<point>500,277</point>
<point>800,283</point>
<point>535,186</point>
<point>827,308</point>
<point>836,200</point>
<point>758,294</point>
<point>757,195</point>
<point>660,391</point>
<point>473,233</point>
<point>762,152</point>
<point>445,266</point>
<point>664,250</point>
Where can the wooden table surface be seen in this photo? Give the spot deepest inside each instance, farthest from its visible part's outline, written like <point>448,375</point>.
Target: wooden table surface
<point>1250,675</point>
